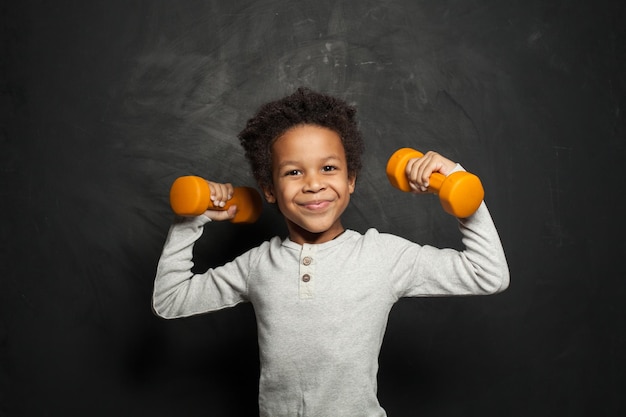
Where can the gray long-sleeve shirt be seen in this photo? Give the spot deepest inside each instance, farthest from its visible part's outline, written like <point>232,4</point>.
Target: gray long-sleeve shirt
<point>322,309</point>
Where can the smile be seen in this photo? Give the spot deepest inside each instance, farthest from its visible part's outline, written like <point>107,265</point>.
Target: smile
<point>316,205</point>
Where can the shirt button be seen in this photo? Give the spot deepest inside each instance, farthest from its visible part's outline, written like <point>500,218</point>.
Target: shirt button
<point>306,278</point>
<point>307,260</point>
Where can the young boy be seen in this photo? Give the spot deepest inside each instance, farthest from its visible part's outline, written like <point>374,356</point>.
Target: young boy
<point>322,295</point>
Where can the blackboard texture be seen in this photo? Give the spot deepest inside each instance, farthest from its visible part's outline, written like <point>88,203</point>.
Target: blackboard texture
<point>104,103</point>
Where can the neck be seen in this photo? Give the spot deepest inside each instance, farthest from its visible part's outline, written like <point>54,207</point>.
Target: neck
<point>302,236</point>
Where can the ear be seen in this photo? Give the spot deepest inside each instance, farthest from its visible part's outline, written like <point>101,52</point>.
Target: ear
<point>351,182</point>
<point>268,192</point>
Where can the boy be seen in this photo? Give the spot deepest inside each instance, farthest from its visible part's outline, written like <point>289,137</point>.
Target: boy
<point>322,295</point>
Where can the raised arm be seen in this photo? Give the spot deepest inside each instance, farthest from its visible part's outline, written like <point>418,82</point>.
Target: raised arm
<point>480,268</point>
<point>178,292</point>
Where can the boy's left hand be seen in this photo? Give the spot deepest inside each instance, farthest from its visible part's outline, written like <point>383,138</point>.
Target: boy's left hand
<point>418,170</point>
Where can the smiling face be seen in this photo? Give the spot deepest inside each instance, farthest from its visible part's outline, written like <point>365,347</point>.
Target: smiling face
<point>311,182</point>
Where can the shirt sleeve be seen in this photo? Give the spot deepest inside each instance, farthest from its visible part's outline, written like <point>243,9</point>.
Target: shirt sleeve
<point>178,292</point>
<point>479,269</point>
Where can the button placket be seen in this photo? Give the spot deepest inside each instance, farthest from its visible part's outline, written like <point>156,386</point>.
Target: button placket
<point>307,272</point>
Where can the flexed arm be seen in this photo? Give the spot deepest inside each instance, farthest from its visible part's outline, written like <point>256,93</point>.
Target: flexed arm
<point>178,292</point>
<point>481,267</point>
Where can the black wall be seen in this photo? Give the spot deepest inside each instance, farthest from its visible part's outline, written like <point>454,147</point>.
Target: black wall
<point>104,104</point>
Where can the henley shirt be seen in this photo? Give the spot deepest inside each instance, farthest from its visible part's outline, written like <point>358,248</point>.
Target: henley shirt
<point>322,309</point>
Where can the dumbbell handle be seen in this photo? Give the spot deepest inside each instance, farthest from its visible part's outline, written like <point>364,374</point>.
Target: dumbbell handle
<point>460,193</point>
<point>191,196</point>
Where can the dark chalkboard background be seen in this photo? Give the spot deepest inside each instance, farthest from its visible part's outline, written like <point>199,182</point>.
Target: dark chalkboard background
<point>105,103</point>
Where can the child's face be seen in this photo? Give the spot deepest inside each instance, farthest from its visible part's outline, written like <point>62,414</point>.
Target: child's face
<point>311,182</point>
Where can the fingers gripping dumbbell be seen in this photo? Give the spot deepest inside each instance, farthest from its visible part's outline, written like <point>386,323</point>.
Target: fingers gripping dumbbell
<point>460,193</point>
<point>191,196</point>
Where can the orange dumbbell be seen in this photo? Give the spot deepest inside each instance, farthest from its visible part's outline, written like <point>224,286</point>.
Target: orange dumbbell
<point>191,196</point>
<point>460,193</point>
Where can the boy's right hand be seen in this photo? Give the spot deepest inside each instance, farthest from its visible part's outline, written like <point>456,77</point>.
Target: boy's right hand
<point>220,194</point>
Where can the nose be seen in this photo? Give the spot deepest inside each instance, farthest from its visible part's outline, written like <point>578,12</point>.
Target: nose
<point>314,183</point>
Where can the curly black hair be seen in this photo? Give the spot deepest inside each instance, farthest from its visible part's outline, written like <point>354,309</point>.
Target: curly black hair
<point>303,107</point>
